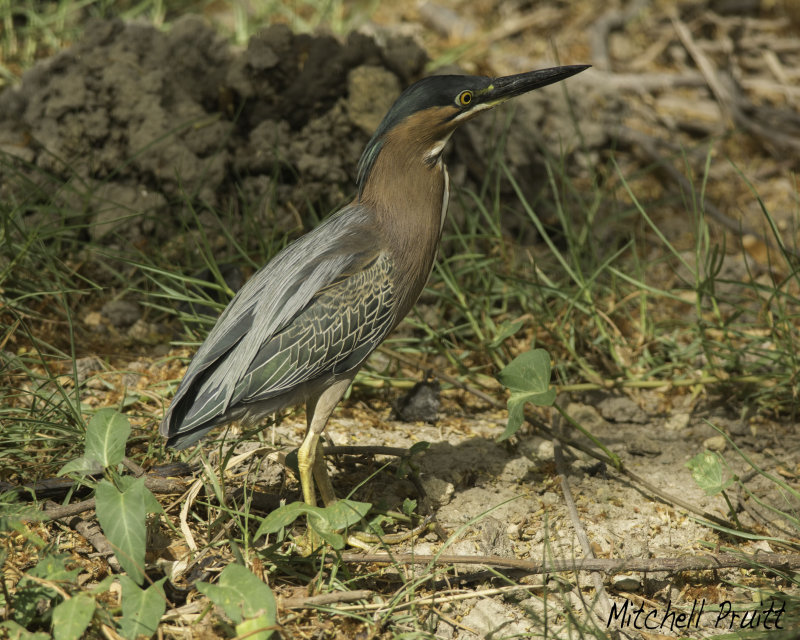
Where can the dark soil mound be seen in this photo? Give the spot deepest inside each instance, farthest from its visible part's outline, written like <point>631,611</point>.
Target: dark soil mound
<point>132,128</point>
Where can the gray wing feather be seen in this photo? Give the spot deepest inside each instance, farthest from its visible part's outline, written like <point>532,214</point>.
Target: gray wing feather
<point>335,333</point>
<point>258,348</point>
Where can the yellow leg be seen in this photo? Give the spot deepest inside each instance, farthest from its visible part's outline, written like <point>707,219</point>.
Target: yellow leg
<point>306,455</point>
<point>323,480</point>
<point>311,462</point>
<point>310,459</point>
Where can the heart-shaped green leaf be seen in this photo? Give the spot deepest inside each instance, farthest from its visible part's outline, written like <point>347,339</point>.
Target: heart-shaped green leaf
<point>122,518</point>
<point>244,598</point>
<point>325,521</point>
<point>528,379</point>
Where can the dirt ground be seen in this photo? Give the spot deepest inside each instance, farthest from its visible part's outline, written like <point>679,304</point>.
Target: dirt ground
<point>133,120</point>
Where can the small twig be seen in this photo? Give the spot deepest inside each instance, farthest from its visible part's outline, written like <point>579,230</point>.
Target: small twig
<point>50,584</point>
<point>516,24</point>
<point>67,510</point>
<point>188,501</point>
<point>110,633</point>
<point>583,539</point>
<point>200,554</point>
<point>438,598</point>
<point>95,537</point>
<point>723,96</point>
<point>364,450</point>
<point>154,483</point>
<point>324,599</point>
<point>758,517</point>
<point>131,466</point>
<point>778,561</point>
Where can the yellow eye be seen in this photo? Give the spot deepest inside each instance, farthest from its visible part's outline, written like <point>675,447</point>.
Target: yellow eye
<point>464,98</point>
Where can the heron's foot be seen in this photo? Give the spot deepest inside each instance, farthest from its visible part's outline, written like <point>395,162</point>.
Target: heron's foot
<point>367,541</point>
<point>309,542</point>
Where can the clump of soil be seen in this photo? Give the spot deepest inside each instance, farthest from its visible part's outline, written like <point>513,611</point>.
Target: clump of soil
<point>131,122</point>
<point>132,127</point>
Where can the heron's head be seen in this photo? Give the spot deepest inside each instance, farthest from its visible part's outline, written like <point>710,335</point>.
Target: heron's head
<point>429,111</point>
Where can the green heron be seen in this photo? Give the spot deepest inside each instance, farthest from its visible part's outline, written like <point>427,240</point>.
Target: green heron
<point>304,324</point>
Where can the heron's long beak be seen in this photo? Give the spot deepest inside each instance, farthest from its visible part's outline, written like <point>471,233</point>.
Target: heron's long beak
<point>507,87</point>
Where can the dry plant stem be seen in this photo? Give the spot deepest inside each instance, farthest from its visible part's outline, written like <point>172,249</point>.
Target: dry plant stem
<point>514,25</point>
<point>363,450</point>
<point>453,622</point>
<point>586,547</point>
<point>388,538</point>
<point>778,561</point>
<point>720,92</point>
<point>49,584</point>
<point>95,537</point>
<point>155,484</point>
<point>134,468</point>
<point>189,612</point>
<point>324,599</point>
<point>647,82</point>
<point>438,598</point>
<point>110,633</point>
<point>67,510</point>
<point>222,534</point>
<point>758,517</point>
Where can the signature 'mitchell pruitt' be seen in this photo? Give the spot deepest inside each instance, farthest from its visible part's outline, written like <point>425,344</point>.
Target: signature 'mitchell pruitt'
<point>722,616</point>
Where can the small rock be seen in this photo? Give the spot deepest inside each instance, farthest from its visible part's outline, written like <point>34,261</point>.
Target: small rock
<point>444,631</point>
<point>130,380</point>
<point>715,443</point>
<point>622,409</point>
<point>763,546</point>
<point>93,319</point>
<point>121,313</point>
<point>405,57</point>
<point>677,422</point>
<point>99,383</point>
<point>641,445</point>
<point>550,498</point>
<point>85,367</point>
<point>586,415</point>
<point>438,491</point>
<point>147,332</point>
<point>626,583</point>
<point>139,366</point>
<point>467,548</point>
<point>494,538</point>
<point>515,470</point>
<point>421,404</point>
<point>371,90</point>
<point>545,451</point>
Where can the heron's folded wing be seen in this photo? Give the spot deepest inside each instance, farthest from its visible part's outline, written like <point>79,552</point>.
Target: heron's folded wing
<point>265,306</point>
<point>334,334</point>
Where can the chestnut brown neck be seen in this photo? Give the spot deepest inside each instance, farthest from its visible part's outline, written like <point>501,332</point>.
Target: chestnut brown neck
<point>407,190</point>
